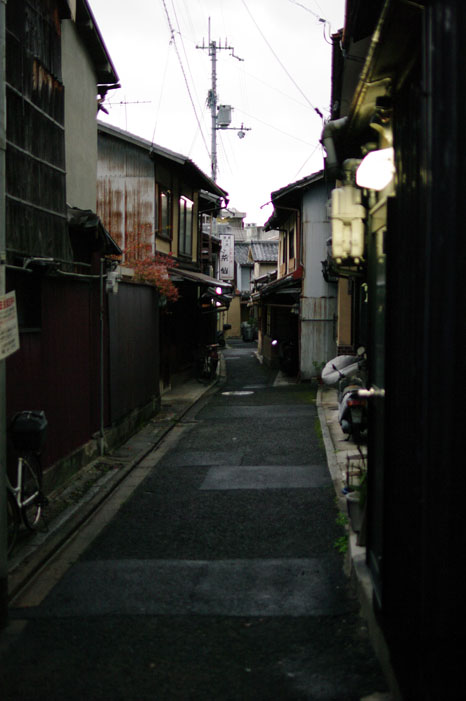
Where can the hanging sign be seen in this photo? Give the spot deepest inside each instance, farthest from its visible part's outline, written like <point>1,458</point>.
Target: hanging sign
<point>9,336</point>
<point>227,257</point>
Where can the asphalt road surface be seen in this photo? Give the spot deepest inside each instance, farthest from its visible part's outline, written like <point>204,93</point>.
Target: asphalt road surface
<point>217,578</point>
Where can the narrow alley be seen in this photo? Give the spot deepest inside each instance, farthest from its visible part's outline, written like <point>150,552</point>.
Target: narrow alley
<point>217,578</point>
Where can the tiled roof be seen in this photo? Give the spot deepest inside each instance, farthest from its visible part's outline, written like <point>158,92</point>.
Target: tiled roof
<point>242,253</point>
<point>264,251</point>
<point>261,252</point>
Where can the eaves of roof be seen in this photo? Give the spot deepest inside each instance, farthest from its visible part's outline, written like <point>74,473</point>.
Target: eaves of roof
<point>392,46</point>
<point>199,278</point>
<point>85,220</point>
<point>291,284</point>
<point>360,20</point>
<point>89,32</point>
<point>289,196</point>
<point>210,203</point>
<point>297,187</point>
<point>266,278</point>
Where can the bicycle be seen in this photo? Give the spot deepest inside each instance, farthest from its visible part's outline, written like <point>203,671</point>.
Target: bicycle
<point>207,361</point>
<point>25,499</point>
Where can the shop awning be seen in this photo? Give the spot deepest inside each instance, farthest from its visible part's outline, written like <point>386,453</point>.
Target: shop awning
<point>284,292</point>
<point>216,294</point>
<point>179,274</point>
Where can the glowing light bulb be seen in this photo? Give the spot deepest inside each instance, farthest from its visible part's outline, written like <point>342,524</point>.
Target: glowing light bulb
<point>376,169</point>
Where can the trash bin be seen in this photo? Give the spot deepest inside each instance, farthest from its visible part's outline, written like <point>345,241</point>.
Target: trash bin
<point>248,333</point>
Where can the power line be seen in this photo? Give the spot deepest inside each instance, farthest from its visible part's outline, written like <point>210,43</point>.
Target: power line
<point>130,102</point>
<point>173,41</point>
<point>318,18</point>
<point>225,155</point>
<point>308,159</point>
<point>187,63</point>
<point>318,6</point>
<point>274,87</point>
<point>291,136</point>
<point>316,109</point>
<point>307,10</point>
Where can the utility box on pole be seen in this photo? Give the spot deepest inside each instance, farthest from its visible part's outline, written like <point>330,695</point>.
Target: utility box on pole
<point>224,116</point>
<point>220,114</point>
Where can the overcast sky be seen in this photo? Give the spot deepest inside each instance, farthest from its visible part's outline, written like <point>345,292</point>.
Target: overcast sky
<point>274,90</point>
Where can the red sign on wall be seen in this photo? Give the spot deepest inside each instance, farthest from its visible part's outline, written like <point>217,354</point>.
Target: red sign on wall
<point>9,336</point>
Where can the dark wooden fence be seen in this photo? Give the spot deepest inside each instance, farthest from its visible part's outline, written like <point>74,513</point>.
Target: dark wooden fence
<point>134,349</point>
<point>58,366</point>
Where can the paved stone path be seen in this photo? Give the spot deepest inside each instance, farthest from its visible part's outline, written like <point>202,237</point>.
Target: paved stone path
<point>217,578</point>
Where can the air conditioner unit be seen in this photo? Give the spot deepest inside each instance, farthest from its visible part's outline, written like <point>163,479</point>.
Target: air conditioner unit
<point>111,283</point>
<point>347,217</point>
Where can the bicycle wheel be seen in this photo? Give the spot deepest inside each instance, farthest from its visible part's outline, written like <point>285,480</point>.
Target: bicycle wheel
<point>31,497</point>
<point>203,367</point>
<point>208,367</point>
<point>213,368</point>
<point>13,518</point>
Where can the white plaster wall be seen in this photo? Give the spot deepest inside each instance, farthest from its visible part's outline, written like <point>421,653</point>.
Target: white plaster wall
<point>263,269</point>
<point>319,298</point>
<point>80,81</point>
<point>316,231</point>
<point>245,273</point>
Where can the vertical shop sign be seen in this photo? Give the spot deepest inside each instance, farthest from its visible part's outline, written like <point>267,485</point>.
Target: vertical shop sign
<point>227,257</point>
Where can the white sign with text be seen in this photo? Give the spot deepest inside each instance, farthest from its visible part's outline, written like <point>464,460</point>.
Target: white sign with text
<point>9,336</point>
<point>227,257</point>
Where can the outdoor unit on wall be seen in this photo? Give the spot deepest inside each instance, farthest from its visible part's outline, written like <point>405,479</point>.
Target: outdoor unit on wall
<point>112,280</point>
<point>347,217</point>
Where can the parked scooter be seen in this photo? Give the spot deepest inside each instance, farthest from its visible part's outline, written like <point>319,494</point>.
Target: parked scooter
<point>349,373</point>
<point>288,357</point>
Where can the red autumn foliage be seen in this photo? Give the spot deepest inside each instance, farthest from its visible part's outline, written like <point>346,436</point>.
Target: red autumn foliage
<point>152,268</point>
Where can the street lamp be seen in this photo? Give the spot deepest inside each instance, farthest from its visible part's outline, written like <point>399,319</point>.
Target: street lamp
<point>376,169</point>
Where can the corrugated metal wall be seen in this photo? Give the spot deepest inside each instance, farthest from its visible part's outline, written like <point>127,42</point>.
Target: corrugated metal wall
<point>126,193</point>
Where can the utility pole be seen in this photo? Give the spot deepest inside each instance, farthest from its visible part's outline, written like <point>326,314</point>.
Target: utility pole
<point>220,115</point>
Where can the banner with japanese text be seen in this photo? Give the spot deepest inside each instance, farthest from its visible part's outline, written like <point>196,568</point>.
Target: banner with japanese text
<point>227,257</point>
